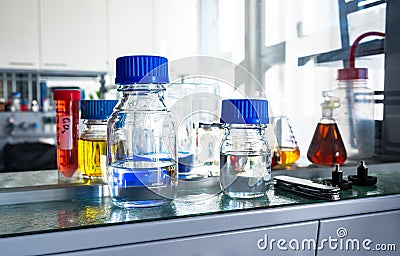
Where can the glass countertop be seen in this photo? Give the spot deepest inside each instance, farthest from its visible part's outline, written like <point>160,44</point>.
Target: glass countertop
<point>194,199</point>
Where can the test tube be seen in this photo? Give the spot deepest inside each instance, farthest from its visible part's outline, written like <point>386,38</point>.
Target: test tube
<point>67,121</point>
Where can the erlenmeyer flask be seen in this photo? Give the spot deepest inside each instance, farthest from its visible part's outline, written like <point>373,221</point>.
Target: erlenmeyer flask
<point>326,147</point>
<point>289,151</point>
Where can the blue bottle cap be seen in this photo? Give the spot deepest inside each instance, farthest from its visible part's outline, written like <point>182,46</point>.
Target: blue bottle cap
<point>16,94</point>
<point>97,109</point>
<point>141,69</point>
<point>245,111</point>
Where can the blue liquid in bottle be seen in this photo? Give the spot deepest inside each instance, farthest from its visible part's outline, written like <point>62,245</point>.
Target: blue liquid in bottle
<point>142,183</point>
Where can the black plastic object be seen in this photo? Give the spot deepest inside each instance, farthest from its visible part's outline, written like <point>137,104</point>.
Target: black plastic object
<point>29,156</point>
<point>337,179</point>
<point>362,178</point>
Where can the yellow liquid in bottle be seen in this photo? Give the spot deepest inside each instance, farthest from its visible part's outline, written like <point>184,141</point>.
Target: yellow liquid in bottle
<point>289,155</point>
<point>90,152</point>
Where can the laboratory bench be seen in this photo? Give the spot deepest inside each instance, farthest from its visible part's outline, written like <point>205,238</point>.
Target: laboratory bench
<point>40,217</point>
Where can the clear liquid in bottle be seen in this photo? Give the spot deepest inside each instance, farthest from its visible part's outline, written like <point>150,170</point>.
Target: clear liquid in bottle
<point>244,176</point>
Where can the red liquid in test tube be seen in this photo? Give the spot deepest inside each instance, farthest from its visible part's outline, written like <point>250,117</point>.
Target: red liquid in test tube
<point>67,117</point>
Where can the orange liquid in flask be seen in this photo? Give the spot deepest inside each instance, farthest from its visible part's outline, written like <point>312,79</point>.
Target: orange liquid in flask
<point>289,155</point>
<point>327,147</point>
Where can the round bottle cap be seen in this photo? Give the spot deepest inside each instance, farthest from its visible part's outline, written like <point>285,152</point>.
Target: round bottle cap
<point>141,69</point>
<point>16,94</point>
<point>245,111</point>
<point>352,73</point>
<point>97,109</point>
<point>67,95</point>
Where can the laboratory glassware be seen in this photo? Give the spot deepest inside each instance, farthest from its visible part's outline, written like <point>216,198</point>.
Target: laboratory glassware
<point>93,140</point>
<point>326,147</point>
<point>142,154</point>
<point>355,116</point>
<point>245,158</point>
<point>67,116</point>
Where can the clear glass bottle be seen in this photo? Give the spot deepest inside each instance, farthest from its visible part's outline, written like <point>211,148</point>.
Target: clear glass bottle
<point>92,143</point>
<point>355,116</point>
<point>326,147</point>
<point>141,134</point>
<point>208,140</point>
<point>245,157</point>
<point>16,102</point>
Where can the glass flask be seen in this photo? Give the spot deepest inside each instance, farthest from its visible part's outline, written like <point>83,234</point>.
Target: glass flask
<point>288,149</point>
<point>326,147</point>
<point>142,155</point>
<point>92,143</point>
<point>245,159</point>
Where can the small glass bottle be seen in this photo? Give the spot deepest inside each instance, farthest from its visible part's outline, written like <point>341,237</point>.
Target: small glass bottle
<point>24,105</point>
<point>326,147</point>
<point>67,116</point>
<point>34,106</point>
<point>2,104</point>
<point>245,158</point>
<point>16,102</point>
<point>142,154</point>
<point>93,140</point>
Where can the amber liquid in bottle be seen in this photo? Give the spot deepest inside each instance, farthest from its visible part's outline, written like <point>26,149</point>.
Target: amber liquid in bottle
<point>327,147</point>
<point>90,152</point>
<point>67,113</point>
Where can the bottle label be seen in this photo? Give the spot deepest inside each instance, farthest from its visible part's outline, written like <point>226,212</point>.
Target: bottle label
<point>64,132</point>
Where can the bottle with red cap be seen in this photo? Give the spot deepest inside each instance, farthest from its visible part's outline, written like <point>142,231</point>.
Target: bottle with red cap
<point>355,116</point>
<point>67,117</point>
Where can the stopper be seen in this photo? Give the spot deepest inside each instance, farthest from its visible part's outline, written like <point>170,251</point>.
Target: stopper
<point>337,179</point>
<point>362,178</point>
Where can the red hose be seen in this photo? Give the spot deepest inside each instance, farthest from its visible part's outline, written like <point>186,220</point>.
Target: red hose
<point>355,44</point>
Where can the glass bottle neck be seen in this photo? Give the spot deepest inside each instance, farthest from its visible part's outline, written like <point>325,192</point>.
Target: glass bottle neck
<point>141,88</point>
<point>95,123</point>
<point>142,97</point>
<point>244,130</point>
<point>327,120</point>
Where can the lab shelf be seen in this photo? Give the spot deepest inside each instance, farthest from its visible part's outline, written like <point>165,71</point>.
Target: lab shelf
<point>76,219</point>
<point>369,48</point>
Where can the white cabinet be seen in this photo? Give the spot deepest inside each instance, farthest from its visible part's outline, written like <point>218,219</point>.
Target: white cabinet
<point>73,35</point>
<point>168,28</point>
<point>368,234</point>
<point>176,28</point>
<point>88,35</point>
<point>259,241</point>
<point>19,39</point>
<point>131,29</point>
